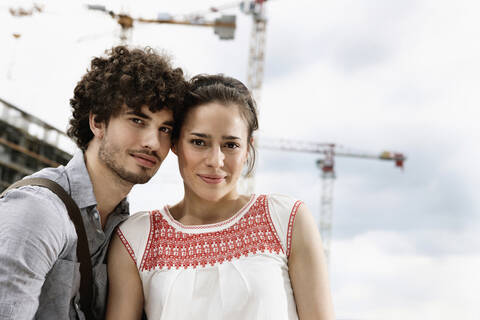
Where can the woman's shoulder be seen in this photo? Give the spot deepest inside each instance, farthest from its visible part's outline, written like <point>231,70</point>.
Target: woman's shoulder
<point>138,217</point>
<point>280,202</point>
<point>282,209</point>
<point>136,221</point>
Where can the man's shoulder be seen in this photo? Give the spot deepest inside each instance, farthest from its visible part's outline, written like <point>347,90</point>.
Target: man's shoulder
<point>58,175</point>
<point>32,203</point>
<point>35,204</point>
<point>34,217</point>
<point>36,197</point>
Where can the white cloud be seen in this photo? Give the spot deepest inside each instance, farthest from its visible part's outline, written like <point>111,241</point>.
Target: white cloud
<point>377,275</point>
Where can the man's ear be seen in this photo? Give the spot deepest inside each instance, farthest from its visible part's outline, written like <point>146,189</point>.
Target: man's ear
<point>97,127</point>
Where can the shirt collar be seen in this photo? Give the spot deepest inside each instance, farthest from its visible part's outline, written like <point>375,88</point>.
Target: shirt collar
<point>81,188</point>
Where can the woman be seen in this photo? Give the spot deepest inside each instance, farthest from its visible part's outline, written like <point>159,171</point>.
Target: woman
<point>218,254</point>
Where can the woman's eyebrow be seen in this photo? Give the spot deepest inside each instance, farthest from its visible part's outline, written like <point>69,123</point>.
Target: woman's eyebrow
<point>201,135</point>
<point>230,138</point>
<point>204,135</point>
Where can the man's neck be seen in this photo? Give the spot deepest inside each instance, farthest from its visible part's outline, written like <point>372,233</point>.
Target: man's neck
<point>108,188</point>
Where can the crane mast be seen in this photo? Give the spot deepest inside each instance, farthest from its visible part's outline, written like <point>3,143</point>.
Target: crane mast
<point>256,56</point>
<point>326,165</point>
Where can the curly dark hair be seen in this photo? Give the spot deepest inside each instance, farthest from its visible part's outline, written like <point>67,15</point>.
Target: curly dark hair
<point>225,90</point>
<point>134,77</point>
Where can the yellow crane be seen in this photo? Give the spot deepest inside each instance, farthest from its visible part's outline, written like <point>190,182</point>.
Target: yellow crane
<point>224,26</point>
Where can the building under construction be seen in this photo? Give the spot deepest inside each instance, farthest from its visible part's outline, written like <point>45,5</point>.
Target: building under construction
<point>28,144</point>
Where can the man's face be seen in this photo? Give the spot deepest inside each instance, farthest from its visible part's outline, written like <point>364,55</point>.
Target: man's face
<point>135,143</point>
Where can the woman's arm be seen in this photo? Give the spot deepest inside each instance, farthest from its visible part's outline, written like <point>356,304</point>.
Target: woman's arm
<point>308,269</point>
<point>125,294</point>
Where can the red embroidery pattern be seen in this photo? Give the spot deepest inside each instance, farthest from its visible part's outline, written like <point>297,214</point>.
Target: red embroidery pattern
<point>252,233</point>
<point>126,244</point>
<point>290,226</point>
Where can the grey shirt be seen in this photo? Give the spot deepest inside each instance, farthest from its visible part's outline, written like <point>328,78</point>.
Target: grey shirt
<point>39,272</point>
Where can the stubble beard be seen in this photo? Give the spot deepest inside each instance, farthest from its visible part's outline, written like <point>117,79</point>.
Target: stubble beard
<point>109,154</point>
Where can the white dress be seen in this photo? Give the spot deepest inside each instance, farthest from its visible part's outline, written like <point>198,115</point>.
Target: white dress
<point>234,269</point>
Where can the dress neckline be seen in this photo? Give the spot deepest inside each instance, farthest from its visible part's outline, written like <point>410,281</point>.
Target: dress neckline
<point>208,227</point>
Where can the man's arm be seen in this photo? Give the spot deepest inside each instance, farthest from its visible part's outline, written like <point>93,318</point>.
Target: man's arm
<point>308,270</point>
<point>31,239</point>
<point>125,294</point>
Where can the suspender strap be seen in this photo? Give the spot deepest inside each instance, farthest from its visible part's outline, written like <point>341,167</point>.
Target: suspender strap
<point>83,252</point>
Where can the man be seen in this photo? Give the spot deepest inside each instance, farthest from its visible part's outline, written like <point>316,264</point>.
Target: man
<point>122,119</point>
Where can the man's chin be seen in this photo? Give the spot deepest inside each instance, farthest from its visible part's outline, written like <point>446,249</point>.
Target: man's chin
<point>135,178</point>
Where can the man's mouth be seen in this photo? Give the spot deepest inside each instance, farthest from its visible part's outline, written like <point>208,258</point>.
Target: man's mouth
<point>145,160</point>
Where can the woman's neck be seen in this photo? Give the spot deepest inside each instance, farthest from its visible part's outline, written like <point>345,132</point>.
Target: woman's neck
<point>193,210</point>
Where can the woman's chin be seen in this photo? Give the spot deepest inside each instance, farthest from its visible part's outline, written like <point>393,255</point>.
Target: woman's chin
<point>211,197</point>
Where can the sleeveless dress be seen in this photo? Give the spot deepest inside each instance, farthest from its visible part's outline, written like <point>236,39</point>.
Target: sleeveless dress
<point>234,269</point>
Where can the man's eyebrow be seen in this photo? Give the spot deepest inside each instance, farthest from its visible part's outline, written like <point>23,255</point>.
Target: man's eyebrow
<point>169,123</point>
<point>138,114</point>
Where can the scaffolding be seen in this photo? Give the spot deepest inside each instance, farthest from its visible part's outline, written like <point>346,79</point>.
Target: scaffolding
<point>28,144</point>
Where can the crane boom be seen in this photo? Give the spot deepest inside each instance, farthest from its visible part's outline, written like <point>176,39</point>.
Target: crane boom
<point>324,148</point>
<point>224,26</point>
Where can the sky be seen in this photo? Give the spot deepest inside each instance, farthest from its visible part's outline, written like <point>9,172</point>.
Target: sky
<point>368,75</point>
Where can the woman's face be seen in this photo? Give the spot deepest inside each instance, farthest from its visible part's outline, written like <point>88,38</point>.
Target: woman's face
<point>212,150</point>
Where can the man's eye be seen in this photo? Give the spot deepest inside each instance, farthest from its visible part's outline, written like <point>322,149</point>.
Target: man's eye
<point>166,129</point>
<point>197,142</point>
<point>136,120</point>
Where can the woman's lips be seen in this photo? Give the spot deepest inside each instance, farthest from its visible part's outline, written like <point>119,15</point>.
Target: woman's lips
<point>210,179</point>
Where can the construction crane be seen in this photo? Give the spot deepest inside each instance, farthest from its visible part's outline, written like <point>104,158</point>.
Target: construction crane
<point>327,166</point>
<point>224,26</point>
<point>256,57</point>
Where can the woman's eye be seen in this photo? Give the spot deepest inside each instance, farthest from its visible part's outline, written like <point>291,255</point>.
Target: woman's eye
<point>231,145</point>
<point>197,142</point>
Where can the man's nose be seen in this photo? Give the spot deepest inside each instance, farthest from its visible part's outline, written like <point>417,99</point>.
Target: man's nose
<point>151,140</point>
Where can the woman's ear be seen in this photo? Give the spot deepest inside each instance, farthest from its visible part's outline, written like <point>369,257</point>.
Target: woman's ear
<point>97,127</point>
<point>250,144</point>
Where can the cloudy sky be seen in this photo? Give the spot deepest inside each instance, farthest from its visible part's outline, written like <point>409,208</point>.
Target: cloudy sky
<point>369,75</point>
